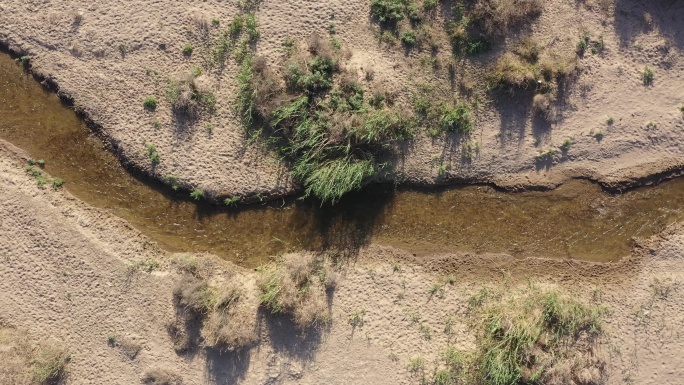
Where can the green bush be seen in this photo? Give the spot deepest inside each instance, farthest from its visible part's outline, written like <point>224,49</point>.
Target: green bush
<point>321,121</point>
<point>150,103</point>
<point>197,194</point>
<point>457,119</point>
<point>647,76</point>
<point>153,154</point>
<point>430,5</point>
<point>388,11</point>
<point>187,49</point>
<point>409,38</point>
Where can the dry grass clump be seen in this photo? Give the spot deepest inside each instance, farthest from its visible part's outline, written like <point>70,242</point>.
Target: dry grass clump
<point>543,106</point>
<point>180,337</point>
<point>161,377</point>
<point>23,362</point>
<point>604,5</point>
<point>228,317</point>
<point>498,16</point>
<point>269,96</point>
<point>201,22</point>
<point>198,267</point>
<point>511,70</point>
<point>297,285</point>
<point>529,66</point>
<point>187,99</point>
<point>535,336</point>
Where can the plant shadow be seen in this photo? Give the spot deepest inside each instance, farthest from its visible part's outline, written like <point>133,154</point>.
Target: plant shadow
<point>635,17</point>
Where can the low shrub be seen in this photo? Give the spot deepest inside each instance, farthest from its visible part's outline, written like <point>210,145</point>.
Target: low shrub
<point>408,38</point>
<point>187,99</point>
<point>150,103</point>
<point>228,317</point>
<point>531,336</point>
<point>647,76</point>
<point>430,5</point>
<point>251,28</point>
<point>297,286</point>
<point>388,11</point>
<point>153,154</point>
<point>236,25</point>
<point>322,122</point>
<point>197,194</point>
<point>456,119</point>
<point>25,61</point>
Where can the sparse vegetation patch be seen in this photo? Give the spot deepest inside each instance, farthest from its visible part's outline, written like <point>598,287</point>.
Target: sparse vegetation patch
<point>526,69</point>
<point>319,118</point>
<point>35,170</point>
<point>530,336</point>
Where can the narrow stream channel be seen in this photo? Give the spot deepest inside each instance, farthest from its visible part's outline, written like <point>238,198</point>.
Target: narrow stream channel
<point>576,220</point>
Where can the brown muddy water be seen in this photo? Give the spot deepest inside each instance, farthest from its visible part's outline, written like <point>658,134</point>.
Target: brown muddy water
<point>577,220</point>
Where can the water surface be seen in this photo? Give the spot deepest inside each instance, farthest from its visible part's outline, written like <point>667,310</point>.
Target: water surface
<point>577,220</point>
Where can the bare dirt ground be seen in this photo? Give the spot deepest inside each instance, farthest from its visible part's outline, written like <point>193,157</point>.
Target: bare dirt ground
<point>69,274</point>
<point>109,56</point>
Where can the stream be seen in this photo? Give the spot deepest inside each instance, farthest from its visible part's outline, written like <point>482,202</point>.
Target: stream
<point>577,220</point>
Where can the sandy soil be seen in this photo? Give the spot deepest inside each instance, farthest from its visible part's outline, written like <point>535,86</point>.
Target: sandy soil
<point>66,275</point>
<point>76,44</point>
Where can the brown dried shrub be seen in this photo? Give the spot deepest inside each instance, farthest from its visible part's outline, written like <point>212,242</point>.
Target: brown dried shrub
<point>499,16</point>
<point>297,285</point>
<point>228,316</point>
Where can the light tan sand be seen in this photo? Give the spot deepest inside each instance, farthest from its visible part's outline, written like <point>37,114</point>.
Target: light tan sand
<point>65,274</point>
<point>75,43</point>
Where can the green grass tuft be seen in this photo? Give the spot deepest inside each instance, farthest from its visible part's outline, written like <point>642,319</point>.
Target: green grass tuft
<point>409,38</point>
<point>337,177</point>
<point>388,11</point>
<point>197,194</point>
<point>232,201</point>
<point>457,119</point>
<point>150,103</point>
<point>515,326</point>
<point>153,154</point>
<point>647,76</point>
